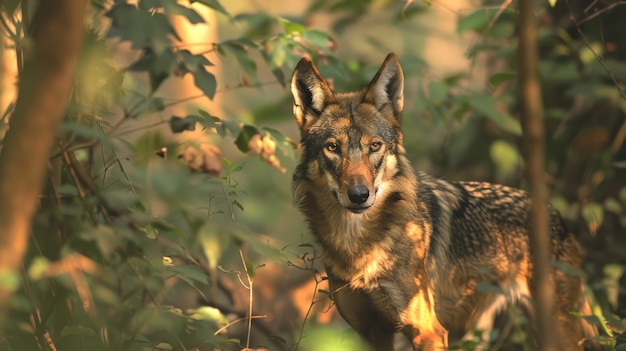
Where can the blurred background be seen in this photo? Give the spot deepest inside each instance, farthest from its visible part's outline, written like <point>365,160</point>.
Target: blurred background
<point>167,217</point>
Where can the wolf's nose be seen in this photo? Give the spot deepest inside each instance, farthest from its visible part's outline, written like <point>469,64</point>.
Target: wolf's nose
<point>358,194</point>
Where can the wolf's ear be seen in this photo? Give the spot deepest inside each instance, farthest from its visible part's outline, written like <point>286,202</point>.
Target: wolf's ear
<point>310,93</point>
<point>387,86</point>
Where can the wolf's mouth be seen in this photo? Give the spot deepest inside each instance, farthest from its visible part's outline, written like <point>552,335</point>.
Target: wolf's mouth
<point>358,209</point>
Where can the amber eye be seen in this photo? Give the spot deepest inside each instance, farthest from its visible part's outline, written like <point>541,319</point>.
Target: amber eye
<point>375,146</point>
<point>332,147</point>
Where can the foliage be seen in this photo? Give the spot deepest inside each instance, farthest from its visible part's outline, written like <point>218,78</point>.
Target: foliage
<point>133,218</point>
<point>121,229</point>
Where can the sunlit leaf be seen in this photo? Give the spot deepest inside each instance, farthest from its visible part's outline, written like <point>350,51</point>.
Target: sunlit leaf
<point>9,280</point>
<point>291,27</point>
<point>38,267</point>
<point>214,241</point>
<point>506,158</point>
<point>208,313</point>
<point>593,213</point>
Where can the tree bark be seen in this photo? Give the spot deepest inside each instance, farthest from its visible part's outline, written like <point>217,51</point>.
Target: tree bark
<point>43,95</point>
<point>534,154</point>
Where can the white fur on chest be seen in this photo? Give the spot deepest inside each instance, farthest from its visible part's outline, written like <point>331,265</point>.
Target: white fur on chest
<point>365,270</point>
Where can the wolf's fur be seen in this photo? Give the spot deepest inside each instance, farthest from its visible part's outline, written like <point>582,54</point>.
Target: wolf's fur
<point>404,251</point>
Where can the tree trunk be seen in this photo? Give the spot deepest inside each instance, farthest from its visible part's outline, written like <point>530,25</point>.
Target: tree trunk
<point>534,145</point>
<point>43,95</point>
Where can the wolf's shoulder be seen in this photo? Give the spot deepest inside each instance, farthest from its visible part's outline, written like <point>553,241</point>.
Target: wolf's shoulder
<point>479,206</point>
<point>483,194</point>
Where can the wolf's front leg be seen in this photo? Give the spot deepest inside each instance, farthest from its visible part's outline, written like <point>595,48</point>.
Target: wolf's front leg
<point>422,326</point>
<point>431,342</point>
<point>357,309</point>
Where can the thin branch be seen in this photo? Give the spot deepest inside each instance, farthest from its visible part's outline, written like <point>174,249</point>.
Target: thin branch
<point>598,13</point>
<point>250,296</point>
<point>598,57</point>
<point>237,321</point>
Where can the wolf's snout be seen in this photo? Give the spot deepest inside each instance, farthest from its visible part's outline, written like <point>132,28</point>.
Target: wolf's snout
<point>358,194</point>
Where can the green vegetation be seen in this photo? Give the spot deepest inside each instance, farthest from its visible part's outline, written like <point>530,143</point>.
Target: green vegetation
<point>147,240</point>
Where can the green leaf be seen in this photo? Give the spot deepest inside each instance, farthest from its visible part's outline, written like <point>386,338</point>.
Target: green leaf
<point>38,267</point>
<point>612,205</point>
<point>291,27</point>
<point>206,82</point>
<point>208,313</point>
<point>214,240</point>
<point>318,38</point>
<point>476,21</point>
<point>506,158</point>
<point>214,4</point>
<point>189,273</point>
<point>9,280</point>
<point>237,49</point>
<point>593,213</point>
<point>244,136</point>
<point>181,124</point>
<point>143,28</point>
<point>501,77</point>
<point>173,8</point>
<point>486,105</point>
<point>159,65</point>
<point>193,62</point>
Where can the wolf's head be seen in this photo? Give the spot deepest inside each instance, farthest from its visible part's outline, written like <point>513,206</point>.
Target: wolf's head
<point>351,140</point>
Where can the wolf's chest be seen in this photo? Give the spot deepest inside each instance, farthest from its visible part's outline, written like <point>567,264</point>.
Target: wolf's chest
<point>352,256</point>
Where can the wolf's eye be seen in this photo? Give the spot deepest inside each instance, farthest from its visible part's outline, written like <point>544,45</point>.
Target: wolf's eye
<point>332,147</point>
<point>375,146</point>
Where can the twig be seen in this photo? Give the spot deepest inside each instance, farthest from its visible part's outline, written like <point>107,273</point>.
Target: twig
<point>599,58</point>
<point>237,321</point>
<point>598,13</point>
<point>250,294</point>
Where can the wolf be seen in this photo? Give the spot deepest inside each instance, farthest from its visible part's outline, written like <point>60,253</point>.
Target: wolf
<point>405,251</point>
